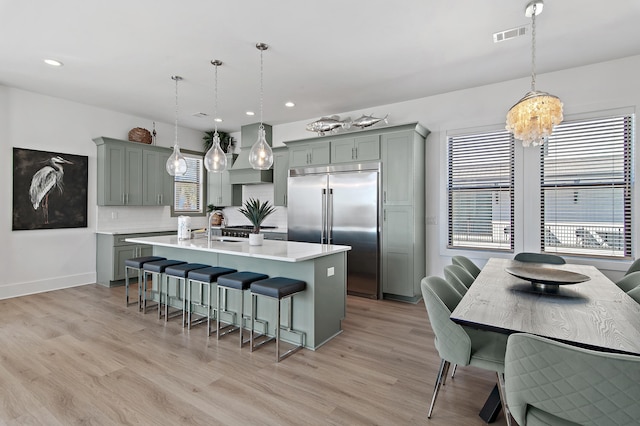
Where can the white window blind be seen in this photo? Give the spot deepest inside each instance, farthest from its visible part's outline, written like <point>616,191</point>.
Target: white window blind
<point>480,190</point>
<point>585,175</point>
<point>188,189</point>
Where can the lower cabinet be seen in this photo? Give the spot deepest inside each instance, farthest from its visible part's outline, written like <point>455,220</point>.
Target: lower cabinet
<point>111,252</point>
<point>402,268</point>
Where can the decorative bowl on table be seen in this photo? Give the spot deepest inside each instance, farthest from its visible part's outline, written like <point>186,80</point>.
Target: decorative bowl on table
<point>546,279</point>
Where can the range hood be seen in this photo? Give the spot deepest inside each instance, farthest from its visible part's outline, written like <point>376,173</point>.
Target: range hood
<point>242,173</point>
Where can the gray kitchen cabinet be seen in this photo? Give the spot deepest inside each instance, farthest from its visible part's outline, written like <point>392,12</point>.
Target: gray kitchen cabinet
<point>157,184</point>
<point>220,191</point>
<point>280,175</point>
<point>399,170</point>
<point>111,252</point>
<point>119,174</point>
<point>361,148</point>
<point>403,209</point>
<point>309,154</point>
<point>401,152</point>
<point>132,174</point>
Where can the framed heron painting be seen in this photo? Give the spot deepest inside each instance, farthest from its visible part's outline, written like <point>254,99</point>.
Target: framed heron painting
<point>49,190</point>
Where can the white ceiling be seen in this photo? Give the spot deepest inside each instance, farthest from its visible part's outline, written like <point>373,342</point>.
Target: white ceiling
<point>327,56</point>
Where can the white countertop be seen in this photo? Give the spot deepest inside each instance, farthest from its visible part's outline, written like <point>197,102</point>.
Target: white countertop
<point>284,251</point>
<point>136,230</point>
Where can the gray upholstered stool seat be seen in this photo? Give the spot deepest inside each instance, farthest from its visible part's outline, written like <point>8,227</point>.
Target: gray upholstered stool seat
<point>239,281</point>
<point>205,278</point>
<point>137,264</point>
<point>156,268</point>
<point>278,288</point>
<point>179,274</point>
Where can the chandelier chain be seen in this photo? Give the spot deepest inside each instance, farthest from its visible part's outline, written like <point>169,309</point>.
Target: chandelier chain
<point>533,49</point>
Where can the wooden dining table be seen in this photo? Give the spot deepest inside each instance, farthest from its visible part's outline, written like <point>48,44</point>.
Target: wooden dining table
<point>593,314</point>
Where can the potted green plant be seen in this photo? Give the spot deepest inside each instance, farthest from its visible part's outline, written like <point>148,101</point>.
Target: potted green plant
<point>256,212</point>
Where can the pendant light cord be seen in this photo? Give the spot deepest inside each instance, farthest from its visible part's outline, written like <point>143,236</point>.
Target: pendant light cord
<point>533,49</point>
<point>215,107</point>
<point>261,87</point>
<point>176,78</point>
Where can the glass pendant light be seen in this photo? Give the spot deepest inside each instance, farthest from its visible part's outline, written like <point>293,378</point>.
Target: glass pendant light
<point>533,118</point>
<point>261,155</point>
<point>215,159</point>
<point>176,164</point>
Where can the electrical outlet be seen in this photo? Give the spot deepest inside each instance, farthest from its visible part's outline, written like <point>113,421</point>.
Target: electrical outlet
<point>331,271</point>
<point>114,215</point>
<point>432,220</point>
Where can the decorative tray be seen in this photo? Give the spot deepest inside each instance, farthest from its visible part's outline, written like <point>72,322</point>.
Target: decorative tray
<point>547,279</point>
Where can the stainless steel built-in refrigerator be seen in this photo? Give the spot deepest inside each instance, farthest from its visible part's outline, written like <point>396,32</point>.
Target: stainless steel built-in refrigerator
<point>339,205</point>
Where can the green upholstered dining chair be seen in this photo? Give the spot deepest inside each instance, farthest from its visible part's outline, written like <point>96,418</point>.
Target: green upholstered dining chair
<point>454,282</point>
<point>635,294</point>
<point>467,264</point>
<point>629,282</point>
<point>539,258</point>
<point>457,344</point>
<point>552,383</point>
<point>460,274</point>
<point>635,267</point>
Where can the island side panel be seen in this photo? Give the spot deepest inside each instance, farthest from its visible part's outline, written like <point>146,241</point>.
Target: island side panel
<point>318,311</point>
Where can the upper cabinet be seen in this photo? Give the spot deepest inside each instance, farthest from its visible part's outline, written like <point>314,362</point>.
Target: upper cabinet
<point>309,154</point>
<point>361,148</point>
<point>220,191</point>
<point>280,175</point>
<point>157,184</point>
<point>132,174</point>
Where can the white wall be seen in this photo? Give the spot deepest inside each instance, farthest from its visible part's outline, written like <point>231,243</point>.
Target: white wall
<point>47,259</point>
<point>40,260</point>
<point>605,86</point>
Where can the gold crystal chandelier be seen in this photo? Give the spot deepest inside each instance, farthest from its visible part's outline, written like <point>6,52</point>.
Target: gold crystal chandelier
<point>533,118</point>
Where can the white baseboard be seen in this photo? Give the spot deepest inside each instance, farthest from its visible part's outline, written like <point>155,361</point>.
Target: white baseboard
<point>22,289</point>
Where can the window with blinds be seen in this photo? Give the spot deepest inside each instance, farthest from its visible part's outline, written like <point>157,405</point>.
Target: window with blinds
<point>585,178</point>
<point>480,190</point>
<point>188,189</point>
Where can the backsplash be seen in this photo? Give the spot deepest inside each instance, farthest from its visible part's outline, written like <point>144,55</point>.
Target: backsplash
<point>263,192</point>
<point>115,218</point>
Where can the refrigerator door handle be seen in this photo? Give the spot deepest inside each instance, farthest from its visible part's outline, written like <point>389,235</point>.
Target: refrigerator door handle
<point>324,216</point>
<point>330,217</point>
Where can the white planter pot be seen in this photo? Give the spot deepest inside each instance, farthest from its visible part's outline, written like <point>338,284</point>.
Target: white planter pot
<point>256,239</point>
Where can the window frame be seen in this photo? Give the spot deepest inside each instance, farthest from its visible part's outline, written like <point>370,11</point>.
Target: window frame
<point>202,187</point>
<point>626,184</point>
<point>494,135</point>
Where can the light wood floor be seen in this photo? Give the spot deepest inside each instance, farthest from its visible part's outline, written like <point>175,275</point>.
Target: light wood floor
<point>78,356</point>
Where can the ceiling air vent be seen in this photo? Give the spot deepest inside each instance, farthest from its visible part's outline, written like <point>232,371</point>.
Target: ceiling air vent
<point>200,114</point>
<point>509,34</point>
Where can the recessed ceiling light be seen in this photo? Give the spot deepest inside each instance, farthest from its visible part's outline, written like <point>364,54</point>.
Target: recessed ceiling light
<point>53,62</point>
<point>250,113</point>
<point>218,120</point>
<point>289,104</point>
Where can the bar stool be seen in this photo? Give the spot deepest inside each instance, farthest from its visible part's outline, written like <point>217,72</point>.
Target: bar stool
<point>278,288</point>
<point>239,281</point>
<point>155,268</point>
<point>137,263</point>
<point>179,274</point>
<point>204,277</point>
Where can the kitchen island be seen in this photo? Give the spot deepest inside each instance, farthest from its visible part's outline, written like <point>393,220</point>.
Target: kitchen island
<point>318,311</point>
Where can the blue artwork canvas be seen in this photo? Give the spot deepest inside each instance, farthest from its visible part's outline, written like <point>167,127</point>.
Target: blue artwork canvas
<point>49,190</point>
